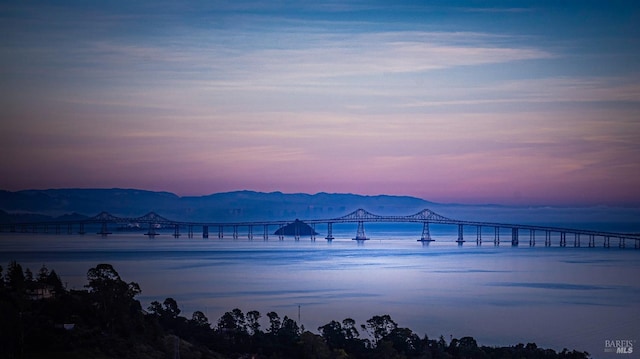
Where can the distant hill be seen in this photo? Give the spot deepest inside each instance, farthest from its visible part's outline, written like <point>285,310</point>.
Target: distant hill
<point>37,205</point>
<point>229,206</point>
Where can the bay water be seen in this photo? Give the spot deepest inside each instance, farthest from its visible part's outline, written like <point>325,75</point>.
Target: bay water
<point>557,297</point>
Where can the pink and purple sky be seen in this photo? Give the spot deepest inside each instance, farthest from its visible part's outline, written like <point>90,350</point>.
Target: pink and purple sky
<point>528,102</point>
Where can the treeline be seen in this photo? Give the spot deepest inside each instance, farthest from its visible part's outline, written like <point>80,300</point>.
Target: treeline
<point>39,318</point>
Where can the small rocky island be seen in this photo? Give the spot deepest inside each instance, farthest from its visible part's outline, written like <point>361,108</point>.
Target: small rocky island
<point>298,227</point>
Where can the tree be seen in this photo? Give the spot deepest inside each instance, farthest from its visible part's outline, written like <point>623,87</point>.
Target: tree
<point>381,325</point>
<point>113,296</point>
<point>274,322</point>
<point>199,319</point>
<point>171,309</point>
<point>253,323</point>
<point>15,277</point>
<point>333,334</point>
<point>349,329</point>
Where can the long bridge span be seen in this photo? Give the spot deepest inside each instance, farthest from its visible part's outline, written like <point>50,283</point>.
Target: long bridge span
<point>426,217</point>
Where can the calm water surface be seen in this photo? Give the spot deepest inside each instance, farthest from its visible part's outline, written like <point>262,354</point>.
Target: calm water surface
<point>557,297</point>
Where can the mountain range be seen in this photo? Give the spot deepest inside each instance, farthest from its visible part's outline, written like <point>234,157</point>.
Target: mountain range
<point>28,205</point>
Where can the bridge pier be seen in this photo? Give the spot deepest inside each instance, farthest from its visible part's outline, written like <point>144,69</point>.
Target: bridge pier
<point>592,241</point>
<point>478,235</point>
<point>426,233</point>
<point>104,230</point>
<point>152,230</point>
<point>281,231</point>
<point>265,233</point>
<point>329,236</point>
<point>205,231</point>
<point>176,231</point>
<point>496,236</point>
<point>360,235</point>
<point>532,238</point>
<point>460,234</point>
<point>220,232</point>
<point>250,232</point>
<point>606,241</point>
<point>235,232</point>
<point>621,242</point>
<point>313,232</point>
<point>190,231</point>
<point>547,238</point>
<point>515,231</point>
<point>576,239</point>
<point>563,239</point>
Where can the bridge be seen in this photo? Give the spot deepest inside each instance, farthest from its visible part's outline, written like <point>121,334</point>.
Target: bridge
<point>154,222</point>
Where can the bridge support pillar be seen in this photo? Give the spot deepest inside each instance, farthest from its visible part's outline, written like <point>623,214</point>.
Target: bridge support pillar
<point>606,242</point>
<point>514,236</point>
<point>621,243</point>
<point>563,239</point>
<point>220,232</point>
<point>176,231</point>
<point>313,232</point>
<point>426,233</point>
<point>478,235</point>
<point>281,232</point>
<point>235,232</point>
<point>547,238</point>
<point>360,235</point>
<point>265,233</point>
<point>576,239</point>
<point>532,238</point>
<point>496,236</point>
<point>152,230</point>
<point>190,231</point>
<point>250,232</point>
<point>205,231</point>
<point>460,234</point>
<point>329,236</point>
<point>592,242</point>
<point>104,230</point>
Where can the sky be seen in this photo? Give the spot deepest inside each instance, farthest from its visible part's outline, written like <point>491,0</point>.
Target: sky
<point>509,102</point>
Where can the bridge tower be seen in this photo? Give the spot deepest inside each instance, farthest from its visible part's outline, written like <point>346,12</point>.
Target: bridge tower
<point>104,231</point>
<point>426,233</point>
<point>360,235</point>
<point>329,236</point>
<point>152,230</point>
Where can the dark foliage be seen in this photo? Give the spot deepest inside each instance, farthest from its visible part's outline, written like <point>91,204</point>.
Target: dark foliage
<point>39,318</point>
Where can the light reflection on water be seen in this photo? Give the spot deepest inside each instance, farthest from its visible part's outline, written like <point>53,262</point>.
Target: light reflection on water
<point>556,297</point>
